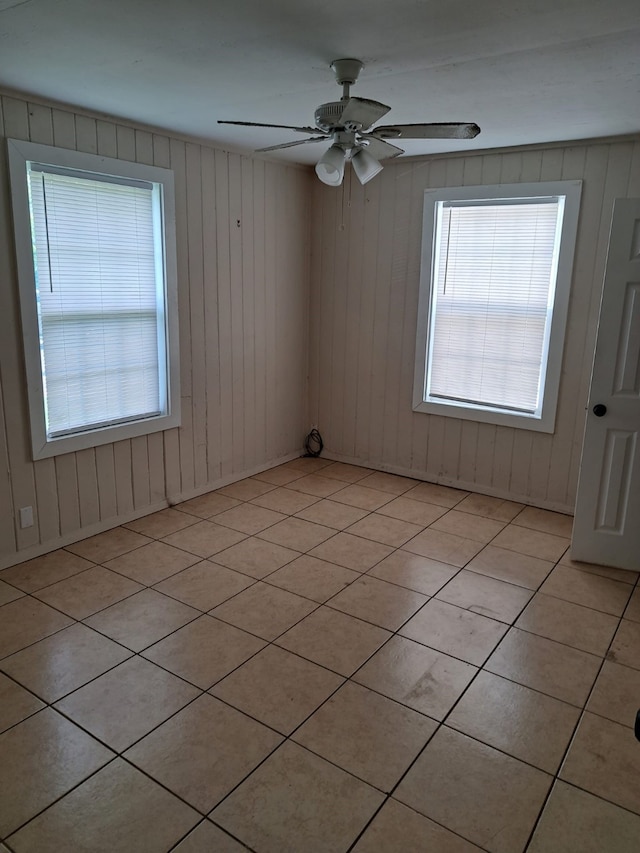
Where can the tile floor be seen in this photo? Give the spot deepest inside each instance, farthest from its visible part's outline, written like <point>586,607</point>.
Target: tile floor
<point>321,658</point>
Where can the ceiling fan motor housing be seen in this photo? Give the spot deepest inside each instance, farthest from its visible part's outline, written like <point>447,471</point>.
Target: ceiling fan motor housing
<point>327,116</point>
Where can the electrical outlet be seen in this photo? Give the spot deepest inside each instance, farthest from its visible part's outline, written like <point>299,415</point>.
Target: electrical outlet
<point>26,517</point>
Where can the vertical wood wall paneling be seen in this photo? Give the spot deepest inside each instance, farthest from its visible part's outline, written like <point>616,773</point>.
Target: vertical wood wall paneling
<point>178,164</point>
<point>213,409</point>
<point>336,357</point>
<point>12,372</point>
<point>247,267</point>
<point>88,496</point>
<point>259,403</point>
<point>237,329</point>
<point>197,318</point>
<point>367,315</point>
<point>272,179</point>
<point>225,352</point>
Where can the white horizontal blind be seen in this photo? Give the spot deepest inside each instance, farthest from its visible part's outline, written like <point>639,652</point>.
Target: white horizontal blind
<point>100,299</point>
<point>494,280</point>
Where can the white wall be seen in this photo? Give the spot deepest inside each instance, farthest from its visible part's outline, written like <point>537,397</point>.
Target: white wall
<point>364,295</point>
<point>243,255</point>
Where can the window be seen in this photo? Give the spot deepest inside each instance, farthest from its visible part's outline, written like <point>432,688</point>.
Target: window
<point>496,273</point>
<point>95,240</point>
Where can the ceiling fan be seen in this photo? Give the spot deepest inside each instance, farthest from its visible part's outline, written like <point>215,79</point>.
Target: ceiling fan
<point>349,124</point>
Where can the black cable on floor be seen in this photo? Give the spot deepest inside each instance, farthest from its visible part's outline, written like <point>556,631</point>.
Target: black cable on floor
<point>313,444</point>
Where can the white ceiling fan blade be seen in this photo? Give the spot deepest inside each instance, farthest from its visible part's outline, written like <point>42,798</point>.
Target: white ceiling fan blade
<point>291,144</point>
<point>279,126</point>
<point>362,112</point>
<point>438,130</point>
<point>378,148</point>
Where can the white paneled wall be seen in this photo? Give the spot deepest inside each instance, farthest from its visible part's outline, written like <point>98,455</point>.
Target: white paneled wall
<point>366,244</point>
<point>243,273</point>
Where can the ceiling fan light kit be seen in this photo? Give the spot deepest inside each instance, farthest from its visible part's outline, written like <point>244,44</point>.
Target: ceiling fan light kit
<point>348,123</point>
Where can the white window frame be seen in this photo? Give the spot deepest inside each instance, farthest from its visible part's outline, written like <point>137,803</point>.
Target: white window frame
<point>20,154</point>
<point>544,421</point>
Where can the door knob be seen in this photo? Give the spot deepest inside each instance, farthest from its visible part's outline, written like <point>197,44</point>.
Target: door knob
<point>599,410</point>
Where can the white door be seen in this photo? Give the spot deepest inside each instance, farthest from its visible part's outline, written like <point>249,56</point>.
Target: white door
<point>607,521</point>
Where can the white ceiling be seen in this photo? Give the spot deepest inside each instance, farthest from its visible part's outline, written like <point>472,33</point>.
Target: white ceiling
<point>524,71</point>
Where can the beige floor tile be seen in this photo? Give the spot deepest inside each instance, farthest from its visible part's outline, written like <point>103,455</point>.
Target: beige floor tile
<point>392,483</point>
<point>616,694</point>
<point>162,523</point>
<point>313,578</point>
<point>544,546</point>
<point>633,607</point>
<point>264,610</point>
<point>398,828</point>
<point>142,816</point>
<point>297,534</point>
<point>362,497</point>
<point>279,476</point>
<point>26,621</point>
<point>414,572</point>
<point>589,590</point>
<point>256,557</point>
<point>84,594</point>
<point>249,519</point>
<point>43,571</point>
<point>285,501</point>
<point>546,521</point>
<point>366,734</point>
<point>316,485</point>
<point>544,665</point>
<point>389,531</point>
<point>203,751</point>
<point>344,472</point>
<point>205,538</point>
<point>417,512</point>
<point>376,601</point>
<point>469,526</point>
<point>603,571</point>
<point>142,619</point>
<point>574,820</point>
<point>568,623</point>
<point>207,838</point>
<point>625,648</point>
<point>490,507</point>
<point>484,595</point>
<point>486,796</point>
<point>307,464</point>
<point>41,759</point>
<point>125,703</point>
<point>333,639</point>
<point>105,546</point>
<point>246,490</point>
<point>205,585</point>
<point>510,566</point>
<point>332,514</point>
<point>8,593</point>
<point>152,563</point>
<point>204,651</point>
<point>433,494</point>
<point>352,552</point>
<point>277,688</point>
<point>16,703</point>
<point>445,547</point>
<point>604,760</point>
<point>206,506</point>
<point>517,720</point>
<point>296,801</point>
<point>64,661</point>
<point>455,631</point>
<point>421,678</point>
